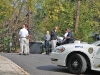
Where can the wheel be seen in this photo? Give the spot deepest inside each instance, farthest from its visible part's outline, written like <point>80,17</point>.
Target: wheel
<point>77,64</point>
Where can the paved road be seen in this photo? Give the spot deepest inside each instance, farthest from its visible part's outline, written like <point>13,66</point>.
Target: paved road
<point>39,64</point>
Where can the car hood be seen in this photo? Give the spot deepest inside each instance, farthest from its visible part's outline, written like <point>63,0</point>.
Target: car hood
<point>78,46</point>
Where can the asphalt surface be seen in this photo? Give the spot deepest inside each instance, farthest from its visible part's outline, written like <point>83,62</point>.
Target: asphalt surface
<point>7,67</point>
<point>40,64</point>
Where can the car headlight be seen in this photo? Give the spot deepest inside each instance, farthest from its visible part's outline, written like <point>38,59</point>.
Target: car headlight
<point>60,49</point>
<point>90,50</point>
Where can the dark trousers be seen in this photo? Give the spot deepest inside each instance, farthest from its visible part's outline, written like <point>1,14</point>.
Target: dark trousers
<point>69,41</point>
<point>47,46</point>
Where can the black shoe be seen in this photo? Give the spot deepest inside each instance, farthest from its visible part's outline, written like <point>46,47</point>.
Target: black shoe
<point>24,54</point>
<point>47,53</point>
<point>20,54</point>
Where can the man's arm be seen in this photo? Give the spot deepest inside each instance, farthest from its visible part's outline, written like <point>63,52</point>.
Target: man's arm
<point>28,37</point>
<point>69,35</point>
<point>52,33</point>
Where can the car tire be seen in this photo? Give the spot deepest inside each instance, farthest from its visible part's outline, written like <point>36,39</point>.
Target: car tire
<point>77,64</point>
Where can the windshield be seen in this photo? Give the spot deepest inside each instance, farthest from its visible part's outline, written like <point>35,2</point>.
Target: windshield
<point>96,43</point>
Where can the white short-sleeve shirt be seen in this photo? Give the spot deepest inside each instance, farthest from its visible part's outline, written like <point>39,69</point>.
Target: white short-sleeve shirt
<point>23,32</point>
<point>66,34</point>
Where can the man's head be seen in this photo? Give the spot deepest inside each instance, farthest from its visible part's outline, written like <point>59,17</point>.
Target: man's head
<point>47,32</point>
<point>23,26</point>
<point>55,28</point>
<point>68,29</point>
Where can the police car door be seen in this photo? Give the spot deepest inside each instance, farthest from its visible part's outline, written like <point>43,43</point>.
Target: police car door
<point>97,56</point>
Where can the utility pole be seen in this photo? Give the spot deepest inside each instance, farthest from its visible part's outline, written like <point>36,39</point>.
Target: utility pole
<point>28,17</point>
<point>28,21</point>
<point>77,17</point>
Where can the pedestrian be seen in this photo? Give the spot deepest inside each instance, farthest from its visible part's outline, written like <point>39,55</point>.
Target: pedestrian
<point>27,46</point>
<point>69,38</point>
<point>23,34</point>
<point>47,40</point>
<point>54,37</point>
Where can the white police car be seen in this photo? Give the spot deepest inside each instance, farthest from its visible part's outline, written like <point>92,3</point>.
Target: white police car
<point>77,56</point>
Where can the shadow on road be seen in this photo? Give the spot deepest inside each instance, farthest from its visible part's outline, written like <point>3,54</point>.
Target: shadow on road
<point>53,68</point>
<point>91,72</point>
<point>65,70</point>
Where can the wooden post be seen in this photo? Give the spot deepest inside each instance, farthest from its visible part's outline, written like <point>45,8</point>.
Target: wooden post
<point>77,17</point>
<point>28,17</point>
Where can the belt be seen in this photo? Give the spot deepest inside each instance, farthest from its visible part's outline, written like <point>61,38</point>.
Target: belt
<point>22,37</point>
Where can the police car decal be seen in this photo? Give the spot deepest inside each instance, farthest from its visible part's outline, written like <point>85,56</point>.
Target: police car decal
<point>78,46</point>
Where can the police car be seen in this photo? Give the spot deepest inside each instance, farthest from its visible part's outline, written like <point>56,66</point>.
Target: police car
<point>77,56</point>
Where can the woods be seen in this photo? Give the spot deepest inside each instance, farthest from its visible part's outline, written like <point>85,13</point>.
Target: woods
<point>44,15</point>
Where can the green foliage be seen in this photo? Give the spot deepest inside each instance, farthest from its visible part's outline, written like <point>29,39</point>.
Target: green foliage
<point>5,10</point>
<point>89,19</point>
<point>58,13</point>
<point>49,13</point>
<point>62,13</point>
<point>7,41</point>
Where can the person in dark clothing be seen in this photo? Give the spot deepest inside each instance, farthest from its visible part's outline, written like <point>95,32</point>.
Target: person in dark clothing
<point>54,37</point>
<point>69,38</point>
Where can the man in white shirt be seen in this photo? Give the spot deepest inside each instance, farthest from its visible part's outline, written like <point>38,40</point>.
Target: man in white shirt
<point>23,33</point>
<point>66,33</point>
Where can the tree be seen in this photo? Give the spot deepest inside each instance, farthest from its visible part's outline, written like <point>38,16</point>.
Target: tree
<point>62,13</point>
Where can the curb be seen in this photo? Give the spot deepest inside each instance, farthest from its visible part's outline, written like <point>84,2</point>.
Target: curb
<point>14,66</point>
